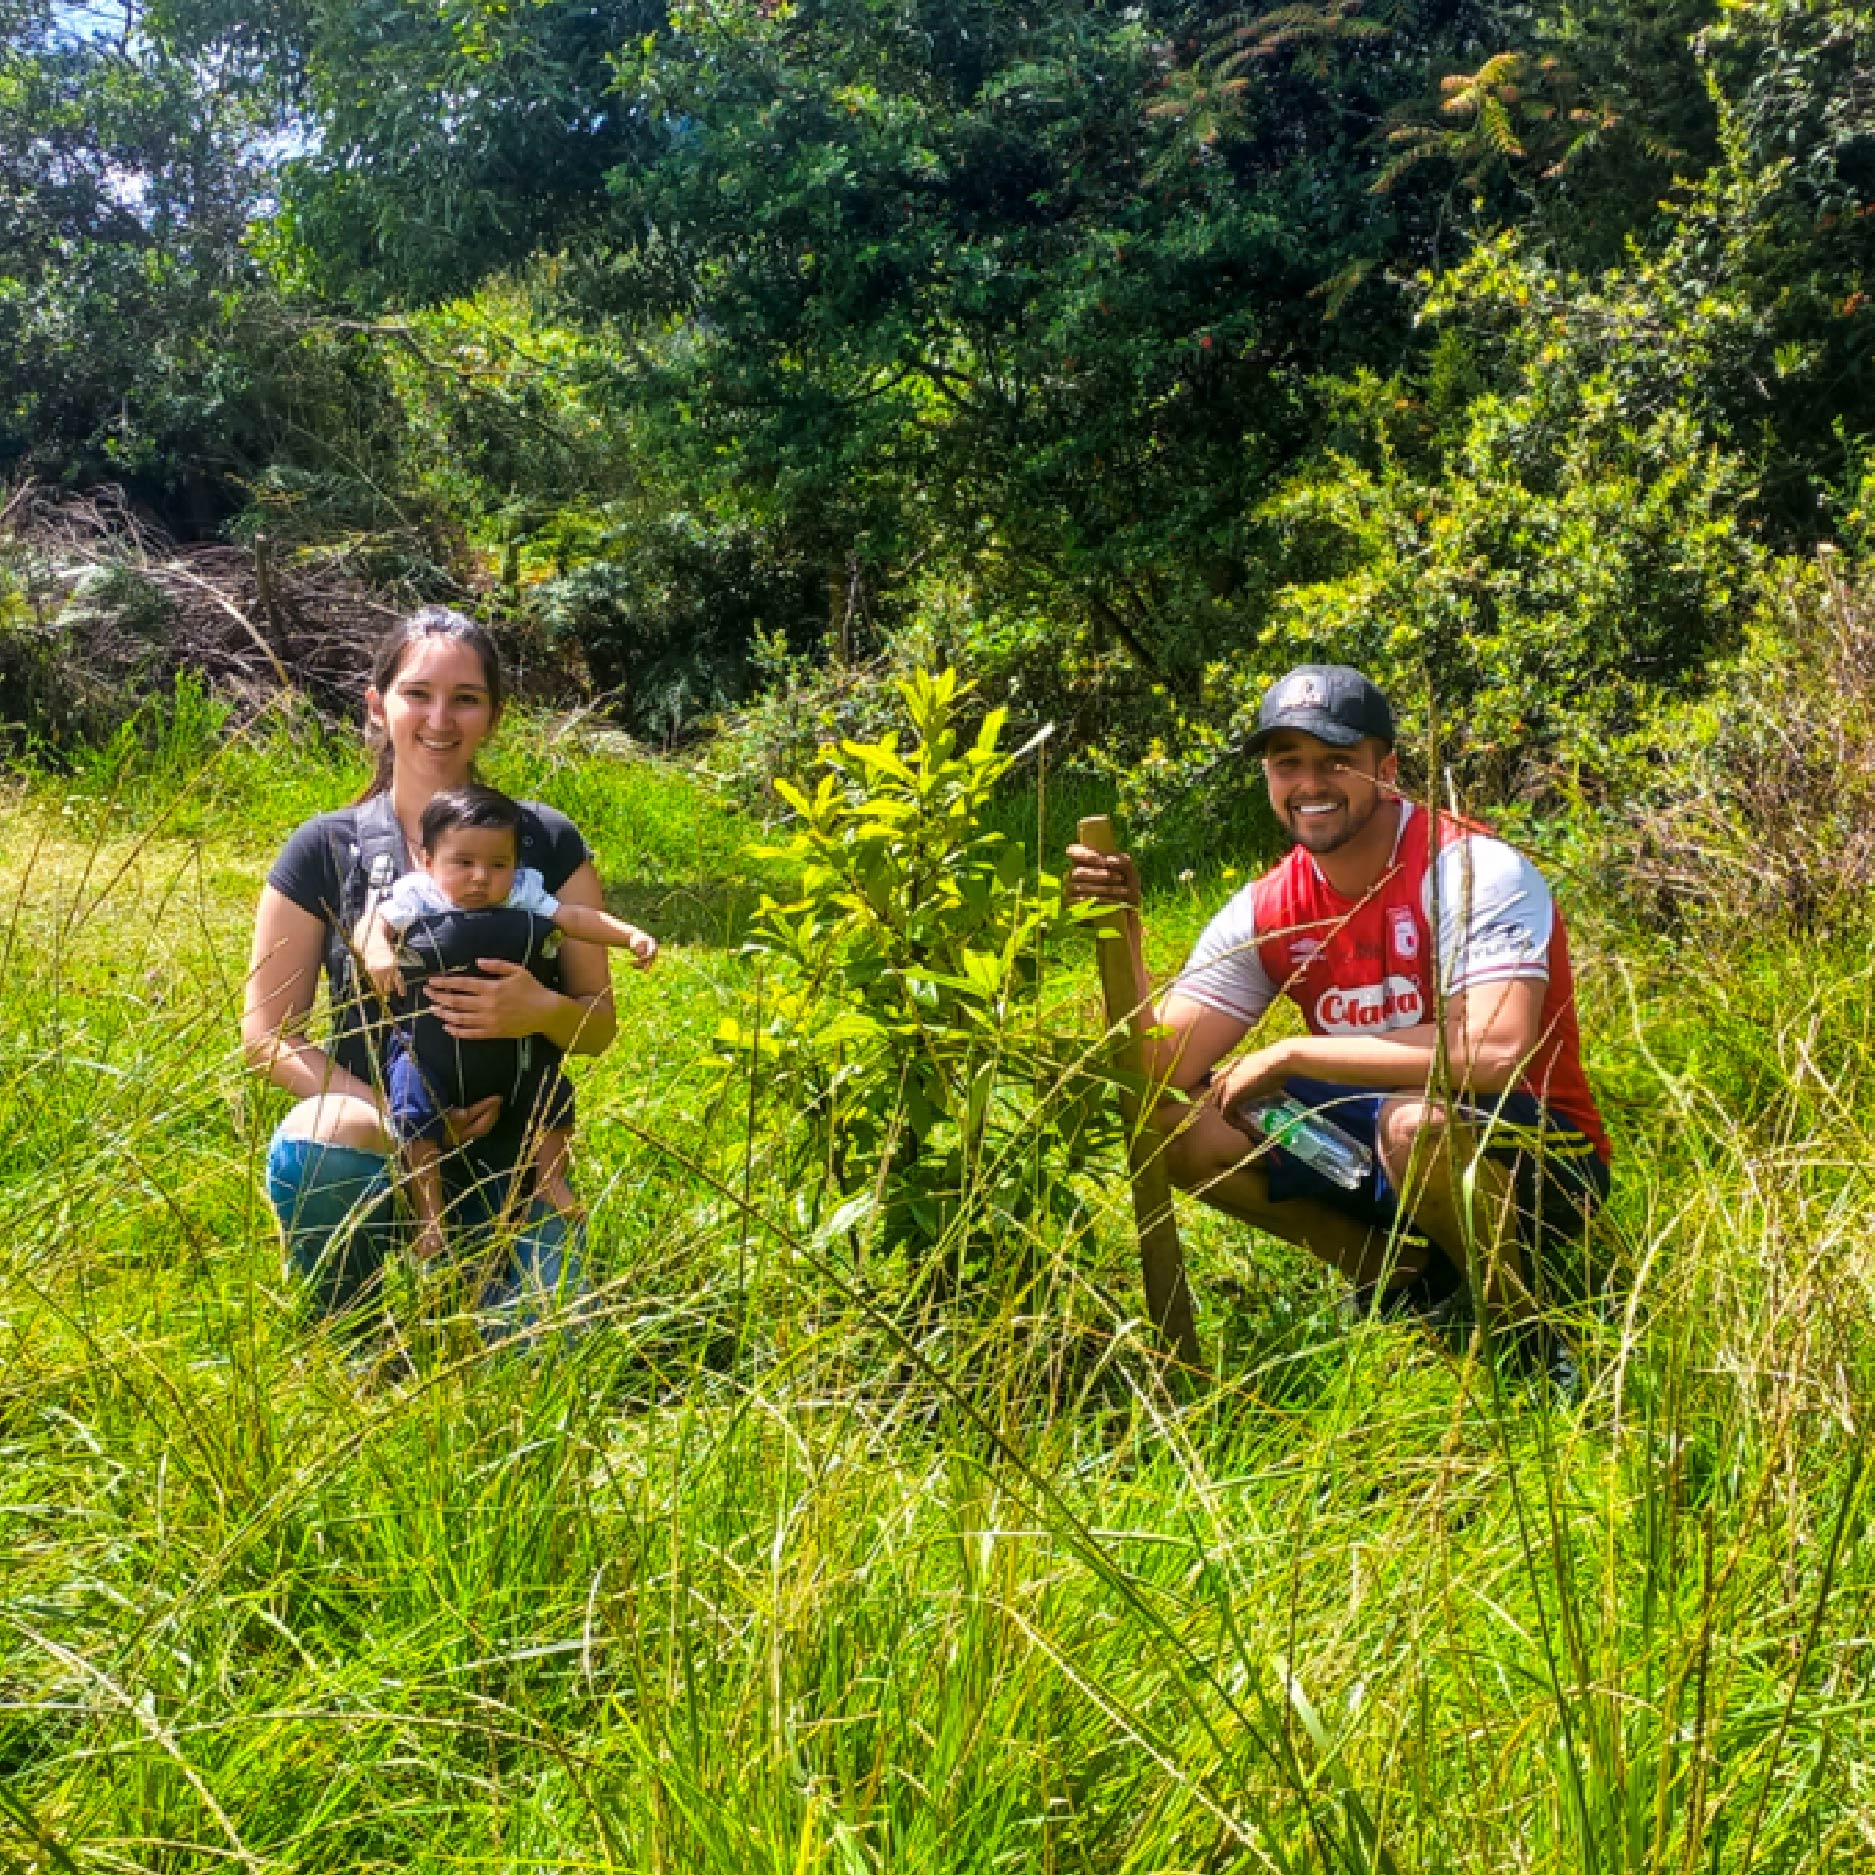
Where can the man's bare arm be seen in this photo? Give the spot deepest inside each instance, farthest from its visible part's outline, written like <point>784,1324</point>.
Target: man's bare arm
<point>1491,1031</point>
<point>1190,1037</point>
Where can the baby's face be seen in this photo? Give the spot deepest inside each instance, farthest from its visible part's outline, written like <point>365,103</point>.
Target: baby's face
<point>473,866</point>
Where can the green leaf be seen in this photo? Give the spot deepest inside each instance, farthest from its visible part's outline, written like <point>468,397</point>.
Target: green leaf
<point>795,799</point>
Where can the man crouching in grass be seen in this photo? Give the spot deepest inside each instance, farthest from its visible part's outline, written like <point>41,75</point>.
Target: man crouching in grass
<point>1432,969</point>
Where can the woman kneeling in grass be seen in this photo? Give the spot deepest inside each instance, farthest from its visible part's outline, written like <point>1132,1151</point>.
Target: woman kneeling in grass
<point>434,699</point>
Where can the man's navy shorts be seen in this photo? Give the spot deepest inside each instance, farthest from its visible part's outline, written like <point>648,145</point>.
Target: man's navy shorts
<point>1560,1179</point>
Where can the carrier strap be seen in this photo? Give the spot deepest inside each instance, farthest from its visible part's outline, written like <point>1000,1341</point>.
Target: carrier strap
<point>369,859</point>
<point>380,854</point>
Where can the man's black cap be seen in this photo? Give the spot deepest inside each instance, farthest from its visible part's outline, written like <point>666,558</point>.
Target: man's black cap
<point>1327,701</point>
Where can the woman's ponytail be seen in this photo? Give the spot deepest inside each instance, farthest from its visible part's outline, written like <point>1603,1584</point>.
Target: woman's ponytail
<point>380,782</point>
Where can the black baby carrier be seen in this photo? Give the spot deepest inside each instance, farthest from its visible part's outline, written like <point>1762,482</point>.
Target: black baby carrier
<point>458,1073</point>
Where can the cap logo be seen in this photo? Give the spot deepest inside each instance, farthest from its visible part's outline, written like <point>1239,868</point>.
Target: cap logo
<point>1303,693</point>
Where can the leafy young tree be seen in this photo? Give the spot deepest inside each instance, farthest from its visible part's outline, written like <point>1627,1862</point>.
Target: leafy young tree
<point>896,1023</point>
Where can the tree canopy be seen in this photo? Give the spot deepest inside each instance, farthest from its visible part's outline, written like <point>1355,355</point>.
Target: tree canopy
<point>791,316</point>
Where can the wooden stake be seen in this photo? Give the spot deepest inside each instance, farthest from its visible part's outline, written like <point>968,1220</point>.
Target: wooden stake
<point>263,584</point>
<point>1161,1256</point>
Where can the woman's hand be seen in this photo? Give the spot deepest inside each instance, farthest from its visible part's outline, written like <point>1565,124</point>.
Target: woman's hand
<point>504,1005</point>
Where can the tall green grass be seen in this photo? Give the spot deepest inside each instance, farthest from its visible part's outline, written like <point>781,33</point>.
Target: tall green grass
<point>768,1571</point>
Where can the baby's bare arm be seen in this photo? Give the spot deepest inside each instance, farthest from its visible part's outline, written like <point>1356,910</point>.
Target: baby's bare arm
<point>376,945</point>
<point>593,926</point>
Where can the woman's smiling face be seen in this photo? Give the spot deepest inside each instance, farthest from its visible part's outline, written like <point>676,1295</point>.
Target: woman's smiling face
<point>437,711</point>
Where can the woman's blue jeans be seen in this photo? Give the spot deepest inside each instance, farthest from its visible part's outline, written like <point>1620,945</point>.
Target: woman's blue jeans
<point>338,1213</point>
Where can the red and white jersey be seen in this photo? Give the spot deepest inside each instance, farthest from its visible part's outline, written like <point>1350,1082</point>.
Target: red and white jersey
<point>1363,966</point>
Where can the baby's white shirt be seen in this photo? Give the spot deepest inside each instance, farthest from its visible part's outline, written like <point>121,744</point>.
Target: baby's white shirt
<point>416,895</point>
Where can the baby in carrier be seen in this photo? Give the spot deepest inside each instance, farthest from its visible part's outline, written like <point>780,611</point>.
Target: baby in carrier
<point>470,900</point>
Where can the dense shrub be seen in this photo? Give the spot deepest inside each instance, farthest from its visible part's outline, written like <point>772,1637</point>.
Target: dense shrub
<point>1541,617</point>
<point>668,620</point>
<point>1549,528</point>
<point>82,646</point>
<point>1753,812</point>
<point>28,672</point>
<point>1545,590</point>
<point>801,705</point>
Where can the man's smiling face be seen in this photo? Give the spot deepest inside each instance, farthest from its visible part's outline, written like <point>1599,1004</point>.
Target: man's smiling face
<point>1325,796</point>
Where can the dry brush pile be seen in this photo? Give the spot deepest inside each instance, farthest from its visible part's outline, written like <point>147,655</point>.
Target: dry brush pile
<point>101,610</point>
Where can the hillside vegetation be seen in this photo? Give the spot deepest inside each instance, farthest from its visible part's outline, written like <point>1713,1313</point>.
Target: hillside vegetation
<point>774,1566</point>
<point>743,364</point>
<point>1116,354</point>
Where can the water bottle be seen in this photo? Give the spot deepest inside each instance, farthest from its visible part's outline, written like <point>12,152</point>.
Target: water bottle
<point>1309,1136</point>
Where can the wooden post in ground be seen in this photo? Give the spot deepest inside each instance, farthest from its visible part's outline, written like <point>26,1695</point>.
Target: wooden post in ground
<point>263,586</point>
<point>1161,1256</point>
<point>269,634</point>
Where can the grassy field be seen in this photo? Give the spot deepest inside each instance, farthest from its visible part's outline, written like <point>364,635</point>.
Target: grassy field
<point>748,1578</point>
